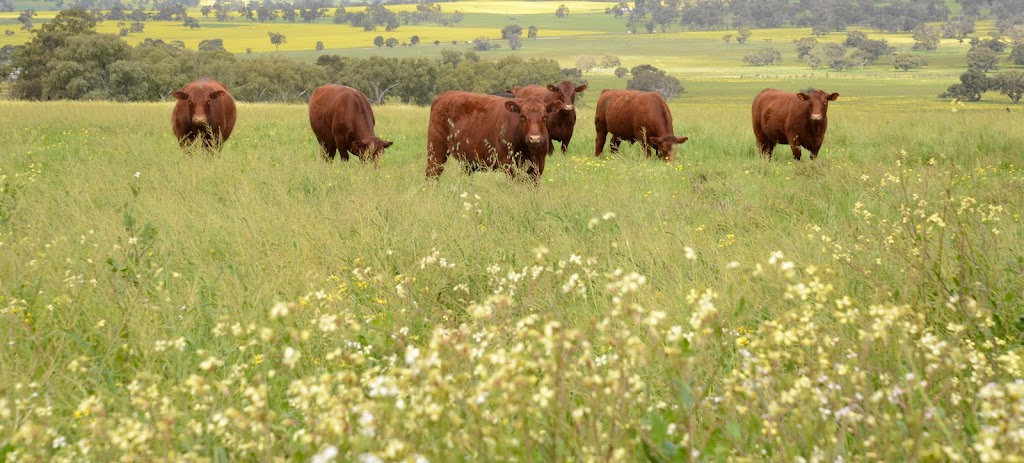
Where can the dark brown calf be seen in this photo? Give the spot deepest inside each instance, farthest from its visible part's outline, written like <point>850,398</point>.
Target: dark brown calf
<point>631,115</point>
<point>487,132</point>
<point>342,120</point>
<point>562,122</point>
<point>205,111</point>
<point>794,119</point>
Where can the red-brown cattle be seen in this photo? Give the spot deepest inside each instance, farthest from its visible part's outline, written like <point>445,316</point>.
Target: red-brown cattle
<point>205,111</point>
<point>794,119</point>
<point>487,132</point>
<point>562,122</point>
<point>342,120</point>
<point>631,115</point>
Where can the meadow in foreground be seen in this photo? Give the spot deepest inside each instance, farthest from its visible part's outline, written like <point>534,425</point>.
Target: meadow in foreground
<point>262,305</point>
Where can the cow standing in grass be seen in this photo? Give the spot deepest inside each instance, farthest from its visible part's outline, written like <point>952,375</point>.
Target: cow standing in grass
<point>794,119</point>
<point>632,115</point>
<point>487,132</point>
<point>562,122</point>
<point>342,120</point>
<point>206,112</point>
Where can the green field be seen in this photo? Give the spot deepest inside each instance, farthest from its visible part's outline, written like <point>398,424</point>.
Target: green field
<point>261,305</point>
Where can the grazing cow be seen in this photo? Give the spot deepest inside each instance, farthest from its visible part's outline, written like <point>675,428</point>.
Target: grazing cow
<point>631,115</point>
<point>487,132</point>
<point>794,119</point>
<point>562,122</point>
<point>205,110</point>
<point>342,120</point>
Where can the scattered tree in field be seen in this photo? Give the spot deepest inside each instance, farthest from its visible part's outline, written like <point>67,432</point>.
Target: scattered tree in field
<point>212,45</point>
<point>1017,55</point>
<point>25,18</point>
<point>1010,84</point>
<point>340,16</point>
<point>191,23</point>
<point>804,46</point>
<point>277,39</point>
<point>926,38</point>
<point>414,40</point>
<point>621,72</point>
<point>514,42</point>
<point>854,39</point>
<point>562,11</point>
<point>651,79</point>
<point>727,38</point>
<point>586,63</point>
<point>391,42</point>
<point>8,32</point>
<point>958,28</point>
<point>908,61</point>
<point>532,32</point>
<point>972,84</point>
<point>610,61</point>
<point>511,30</point>
<point>742,35</point>
<point>765,56</point>
<point>206,10</point>
<point>319,45</point>
<point>982,59</point>
<point>378,41</point>
<point>994,44</point>
<point>437,42</point>
<point>484,44</point>
<point>136,26</point>
<point>824,55</point>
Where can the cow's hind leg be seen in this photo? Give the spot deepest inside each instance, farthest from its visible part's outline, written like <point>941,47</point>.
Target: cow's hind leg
<point>565,144</point>
<point>602,137</point>
<point>614,148</point>
<point>437,154</point>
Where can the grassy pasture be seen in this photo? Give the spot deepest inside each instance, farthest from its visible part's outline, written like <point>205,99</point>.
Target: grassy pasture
<point>260,304</point>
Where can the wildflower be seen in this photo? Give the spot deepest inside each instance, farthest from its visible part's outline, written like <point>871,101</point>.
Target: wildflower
<point>291,357</point>
<point>326,455</point>
<point>279,310</point>
<point>210,363</point>
<point>689,252</point>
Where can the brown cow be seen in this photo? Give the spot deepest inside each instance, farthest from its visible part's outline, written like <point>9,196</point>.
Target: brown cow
<point>342,120</point>
<point>794,119</point>
<point>488,132</point>
<point>631,115</point>
<point>562,122</point>
<point>205,110</point>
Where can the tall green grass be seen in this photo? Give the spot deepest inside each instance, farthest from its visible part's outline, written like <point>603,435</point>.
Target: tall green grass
<point>260,304</point>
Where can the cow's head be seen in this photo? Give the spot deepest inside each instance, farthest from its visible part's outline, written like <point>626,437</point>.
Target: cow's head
<point>665,145</point>
<point>566,94</point>
<point>818,102</point>
<point>533,120</point>
<point>369,149</point>
<point>199,100</point>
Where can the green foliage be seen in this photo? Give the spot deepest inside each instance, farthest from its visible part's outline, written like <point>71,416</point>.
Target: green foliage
<point>277,39</point>
<point>908,61</point>
<point>764,56</point>
<point>609,61</point>
<point>926,38</point>
<point>1017,55</point>
<point>586,63</point>
<point>651,79</point>
<point>982,59</point>
<point>973,84</point>
<point>804,46</point>
<point>742,35</point>
<point>1010,84</point>
<point>621,72</point>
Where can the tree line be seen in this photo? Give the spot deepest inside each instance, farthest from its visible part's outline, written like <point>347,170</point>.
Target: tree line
<point>822,16</point>
<point>68,59</point>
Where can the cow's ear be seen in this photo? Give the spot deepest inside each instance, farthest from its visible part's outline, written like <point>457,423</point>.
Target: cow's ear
<point>510,90</point>
<point>682,140</point>
<point>552,88</point>
<point>180,95</point>
<point>803,96</point>
<point>386,143</point>
<point>581,88</point>
<point>217,94</point>
<point>553,106</point>
<point>512,106</point>
<point>833,96</point>
<point>653,141</point>
<point>358,146</point>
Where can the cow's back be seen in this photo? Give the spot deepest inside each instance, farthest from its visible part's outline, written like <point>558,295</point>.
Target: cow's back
<point>338,107</point>
<point>770,108</point>
<point>626,111</point>
<point>469,125</point>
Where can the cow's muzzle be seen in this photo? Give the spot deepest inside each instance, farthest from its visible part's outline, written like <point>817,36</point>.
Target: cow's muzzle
<point>816,117</point>
<point>535,139</point>
<point>568,107</point>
